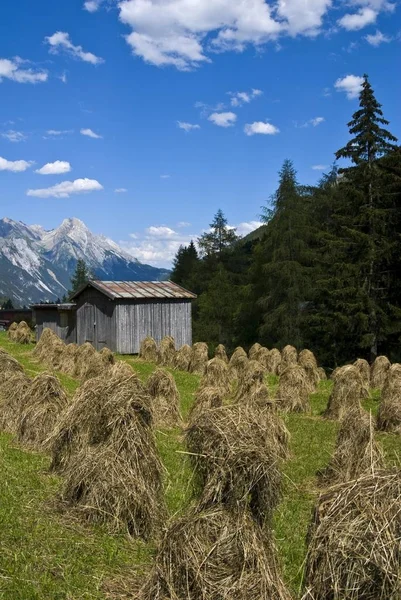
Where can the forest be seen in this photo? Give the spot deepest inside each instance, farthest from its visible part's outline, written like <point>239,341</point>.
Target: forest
<point>324,270</point>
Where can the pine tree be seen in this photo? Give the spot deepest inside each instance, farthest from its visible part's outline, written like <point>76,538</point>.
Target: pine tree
<point>184,265</point>
<point>7,304</point>
<point>81,276</point>
<point>220,236</point>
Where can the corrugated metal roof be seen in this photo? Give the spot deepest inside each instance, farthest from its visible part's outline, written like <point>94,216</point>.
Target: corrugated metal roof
<point>140,290</point>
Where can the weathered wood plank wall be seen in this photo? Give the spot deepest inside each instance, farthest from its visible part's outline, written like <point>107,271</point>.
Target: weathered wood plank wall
<point>51,318</point>
<point>95,320</point>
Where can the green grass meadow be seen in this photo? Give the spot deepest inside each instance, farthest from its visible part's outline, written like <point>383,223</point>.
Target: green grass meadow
<point>46,553</point>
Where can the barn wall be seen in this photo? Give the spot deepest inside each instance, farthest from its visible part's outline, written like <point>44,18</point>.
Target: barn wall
<point>51,318</point>
<point>157,318</point>
<point>95,320</point>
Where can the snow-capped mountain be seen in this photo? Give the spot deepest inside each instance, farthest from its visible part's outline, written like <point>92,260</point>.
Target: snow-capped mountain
<point>37,265</point>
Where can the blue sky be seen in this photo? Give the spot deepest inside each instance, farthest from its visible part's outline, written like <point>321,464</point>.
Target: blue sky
<point>187,105</point>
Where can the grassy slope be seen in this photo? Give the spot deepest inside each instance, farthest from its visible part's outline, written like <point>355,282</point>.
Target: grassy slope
<point>45,555</point>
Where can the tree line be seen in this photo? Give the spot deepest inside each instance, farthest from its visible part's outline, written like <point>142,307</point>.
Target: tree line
<point>324,270</point>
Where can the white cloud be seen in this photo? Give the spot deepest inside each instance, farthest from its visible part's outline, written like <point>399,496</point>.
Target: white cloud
<point>61,41</point>
<point>10,69</point>
<point>58,132</point>
<point>15,166</point>
<point>377,38</point>
<point>92,5</point>
<point>350,84</point>
<point>14,136</point>
<point>319,167</point>
<point>187,126</point>
<point>66,188</point>
<point>240,98</point>
<point>91,134</point>
<point>260,127</point>
<point>165,176</point>
<point>359,20</point>
<point>120,190</point>
<point>56,168</point>
<point>312,122</point>
<point>224,119</point>
<point>63,77</point>
<point>182,224</point>
<point>247,227</point>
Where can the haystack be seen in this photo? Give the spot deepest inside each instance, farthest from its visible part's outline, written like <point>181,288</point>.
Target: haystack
<point>165,399</point>
<point>167,351</point>
<point>83,358</point>
<point>206,398</point>
<point>221,353</point>
<point>23,333</point>
<point>215,554</point>
<point>356,452</point>
<point>8,365</point>
<point>274,361</point>
<point>289,358</point>
<point>42,406</point>
<point>364,369</point>
<point>13,394</point>
<point>347,393</point>
<point>293,390</point>
<point>148,350</point>
<point>11,331</point>
<point>182,358</point>
<point>199,358</point>
<point>254,350</point>
<point>68,359</point>
<point>217,376</point>
<point>322,374</point>
<point>263,357</point>
<point>378,372</point>
<point>49,348</point>
<point>235,451</point>
<point>97,363</point>
<point>238,362</point>
<point>389,415</point>
<point>251,378</point>
<point>307,360</point>
<point>354,541</point>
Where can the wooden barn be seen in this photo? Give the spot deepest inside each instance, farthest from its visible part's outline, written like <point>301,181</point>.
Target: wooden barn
<point>60,318</point>
<point>120,314</point>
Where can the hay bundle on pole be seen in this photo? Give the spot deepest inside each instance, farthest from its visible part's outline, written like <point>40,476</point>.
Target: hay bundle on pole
<point>254,351</point>
<point>97,363</point>
<point>8,366</point>
<point>378,371</point>
<point>263,358</point>
<point>215,554</point>
<point>274,362</point>
<point>289,358</point>
<point>182,358</point>
<point>354,541</point>
<point>13,393</point>
<point>322,374</point>
<point>165,399</point>
<point>68,358</point>
<point>251,378</point>
<point>199,358</point>
<point>43,404</point>
<point>293,390</point>
<point>221,353</point>
<point>23,333</point>
<point>206,398</point>
<point>11,331</point>
<point>49,348</point>
<point>307,360</point>
<point>356,452</point>
<point>167,351</point>
<point>83,357</point>
<point>238,362</point>
<point>148,350</point>
<point>364,369</point>
<point>217,376</point>
<point>389,415</point>
<point>235,450</point>
<point>347,393</point>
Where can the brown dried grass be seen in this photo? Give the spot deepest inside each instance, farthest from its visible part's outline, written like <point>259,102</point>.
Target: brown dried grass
<point>182,358</point>
<point>347,393</point>
<point>263,357</point>
<point>23,333</point>
<point>217,375</point>
<point>11,331</point>
<point>167,351</point>
<point>221,353</point>
<point>68,359</point>
<point>293,390</point>
<point>165,399</point>
<point>42,406</point>
<point>249,381</point>
<point>13,393</point>
<point>199,358</point>
<point>97,363</point>
<point>238,362</point>
<point>254,350</point>
<point>378,371</point>
<point>148,350</point>
<point>274,362</point>
<point>206,398</point>
<point>8,366</point>
<point>322,374</point>
<point>214,554</point>
<point>307,360</point>
<point>289,358</point>
<point>48,346</point>
<point>364,370</point>
<point>389,415</point>
<point>354,541</point>
<point>83,358</point>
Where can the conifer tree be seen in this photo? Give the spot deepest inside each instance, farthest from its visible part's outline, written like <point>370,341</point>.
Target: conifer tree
<point>184,265</point>
<point>220,236</point>
<point>81,276</point>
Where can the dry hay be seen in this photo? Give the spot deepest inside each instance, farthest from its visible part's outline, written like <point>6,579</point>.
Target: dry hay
<point>235,451</point>
<point>97,363</point>
<point>23,333</point>
<point>8,366</point>
<point>293,390</point>
<point>389,415</point>
<point>11,331</point>
<point>354,541</point>
<point>165,399</point>
<point>83,357</point>
<point>221,353</point>
<point>199,358</point>
<point>167,351</point>
<point>217,375</point>
<point>238,362</point>
<point>249,381</point>
<point>254,351</point>
<point>43,404</point>
<point>122,370</point>
<point>274,362</point>
<point>347,393</point>
<point>289,358</point>
<point>68,359</point>
<point>182,358</point>
<point>13,393</point>
<point>307,360</point>
<point>263,357</point>
<point>206,398</point>
<point>214,554</point>
<point>364,369</point>
<point>378,371</point>
<point>356,452</point>
<point>49,348</point>
<point>322,374</point>
<point>148,350</point>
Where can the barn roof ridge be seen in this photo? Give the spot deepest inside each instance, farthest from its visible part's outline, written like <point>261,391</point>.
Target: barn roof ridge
<point>137,290</point>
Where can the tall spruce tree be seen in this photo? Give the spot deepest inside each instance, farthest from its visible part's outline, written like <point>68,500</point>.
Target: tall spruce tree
<point>184,266</point>
<point>220,236</point>
<point>81,276</point>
